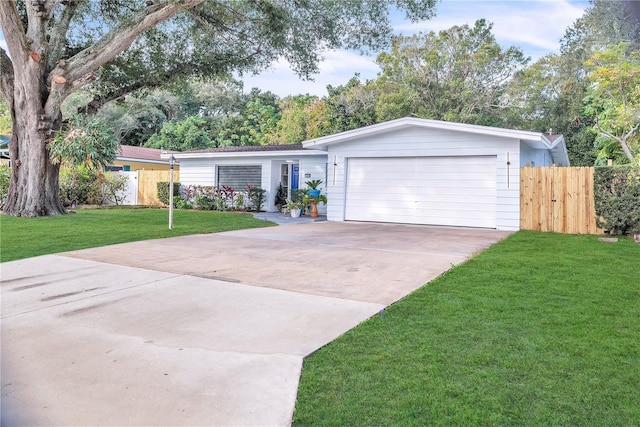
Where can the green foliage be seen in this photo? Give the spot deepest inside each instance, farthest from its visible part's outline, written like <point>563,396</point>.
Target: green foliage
<point>281,197</point>
<point>298,194</point>
<point>617,199</point>
<point>227,37</point>
<point>84,141</point>
<point>181,203</point>
<point>254,124</point>
<point>5,118</point>
<point>456,75</point>
<point>5,177</point>
<point>352,105</point>
<point>186,135</point>
<point>256,198</point>
<point>81,186</point>
<point>614,97</point>
<point>319,119</point>
<point>140,115</point>
<point>163,191</point>
<point>114,188</point>
<point>313,184</point>
<point>291,128</point>
<point>548,96</point>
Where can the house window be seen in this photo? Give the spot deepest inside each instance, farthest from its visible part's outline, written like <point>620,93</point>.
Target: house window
<point>127,168</point>
<point>239,177</point>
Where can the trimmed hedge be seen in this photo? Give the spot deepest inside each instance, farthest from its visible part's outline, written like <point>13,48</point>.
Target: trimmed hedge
<point>163,191</point>
<point>617,198</point>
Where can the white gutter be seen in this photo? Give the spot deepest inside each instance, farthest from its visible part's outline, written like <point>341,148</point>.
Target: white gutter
<point>233,154</point>
<point>133,159</point>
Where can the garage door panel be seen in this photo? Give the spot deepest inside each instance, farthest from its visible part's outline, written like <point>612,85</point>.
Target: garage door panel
<point>457,191</point>
<point>444,201</point>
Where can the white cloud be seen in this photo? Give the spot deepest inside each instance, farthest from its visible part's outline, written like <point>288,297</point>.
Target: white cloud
<point>534,26</point>
<point>336,69</point>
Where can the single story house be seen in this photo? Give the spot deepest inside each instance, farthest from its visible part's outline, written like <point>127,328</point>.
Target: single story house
<point>131,158</point>
<point>409,170</point>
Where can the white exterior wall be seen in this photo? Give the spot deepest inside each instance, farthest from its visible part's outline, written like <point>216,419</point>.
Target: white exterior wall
<point>202,171</point>
<point>535,157</point>
<point>316,168</point>
<point>197,172</point>
<point>421,142</point>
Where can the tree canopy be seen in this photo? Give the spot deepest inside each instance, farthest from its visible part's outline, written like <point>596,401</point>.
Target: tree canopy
<point>457,74</point>
<point>120,46</point>
<point>614,98</point>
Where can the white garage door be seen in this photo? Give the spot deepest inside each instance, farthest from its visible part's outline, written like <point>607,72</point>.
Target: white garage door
<point>457,191</point>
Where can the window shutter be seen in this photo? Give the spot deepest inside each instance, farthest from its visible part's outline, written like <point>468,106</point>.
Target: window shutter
<point>238,177</point>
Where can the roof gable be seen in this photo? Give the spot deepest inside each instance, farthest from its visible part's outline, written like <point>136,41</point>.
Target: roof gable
<point>537,140</point>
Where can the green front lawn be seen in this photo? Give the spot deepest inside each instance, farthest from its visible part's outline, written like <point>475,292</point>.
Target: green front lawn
<point>541,329</point>
<point>27,237</point>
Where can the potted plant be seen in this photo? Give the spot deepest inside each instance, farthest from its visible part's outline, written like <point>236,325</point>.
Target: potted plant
<point>281,197</point>
<point>295,207</point>
<point>313,188</point>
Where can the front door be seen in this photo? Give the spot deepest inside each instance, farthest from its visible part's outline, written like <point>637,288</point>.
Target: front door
<point>295,172</point>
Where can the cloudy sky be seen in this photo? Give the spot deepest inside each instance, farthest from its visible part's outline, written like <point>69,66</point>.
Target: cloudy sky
<point>535,26</point>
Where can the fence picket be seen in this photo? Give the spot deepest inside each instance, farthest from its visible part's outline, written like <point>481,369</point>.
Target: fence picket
<point>148,188</point>
<point>558,199</point>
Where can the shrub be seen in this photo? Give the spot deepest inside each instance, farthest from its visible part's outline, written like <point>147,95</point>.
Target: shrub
<point>281,197</point>
<point>114,188</point>
<point>240,196</point>
<point>5,177</point>
<point>204,197</point>
<point>81,186</point>
<point>163,191</point>
<point>617,199</point>
<point>256,197</point>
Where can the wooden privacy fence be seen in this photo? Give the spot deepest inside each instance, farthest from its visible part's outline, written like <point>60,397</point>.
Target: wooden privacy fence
<point>558,199</point>
<point>148,188</point>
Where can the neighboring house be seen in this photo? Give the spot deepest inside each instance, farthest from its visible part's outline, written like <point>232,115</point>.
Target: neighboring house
<point>4,150</point>
<point>409,170</point>
<point>131,158</point>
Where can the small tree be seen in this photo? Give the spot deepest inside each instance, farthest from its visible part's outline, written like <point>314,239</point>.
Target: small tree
<point>114,188</point>
<point>617,198</point>
<point>614,98</point>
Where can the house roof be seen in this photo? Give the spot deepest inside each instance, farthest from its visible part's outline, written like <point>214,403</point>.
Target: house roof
<point>142,154</point>
<point>289,150</point>
<point>554,143</point>
<point>243,148</point>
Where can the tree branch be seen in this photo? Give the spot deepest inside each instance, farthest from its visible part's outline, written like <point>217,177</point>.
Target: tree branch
<point>13,33</point>
<point>37,18</point>
<point>59,33</point>
<point>621,141</point>
<point>79,69</point>
<point>119,39</point>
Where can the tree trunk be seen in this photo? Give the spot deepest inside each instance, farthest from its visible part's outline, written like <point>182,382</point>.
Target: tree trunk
<point>33,189</point>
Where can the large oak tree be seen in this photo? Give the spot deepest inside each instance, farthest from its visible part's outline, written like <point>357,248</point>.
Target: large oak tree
<point>56,47</point>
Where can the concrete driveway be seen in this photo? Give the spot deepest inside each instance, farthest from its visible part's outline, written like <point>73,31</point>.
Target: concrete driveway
<point>201,330</point>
